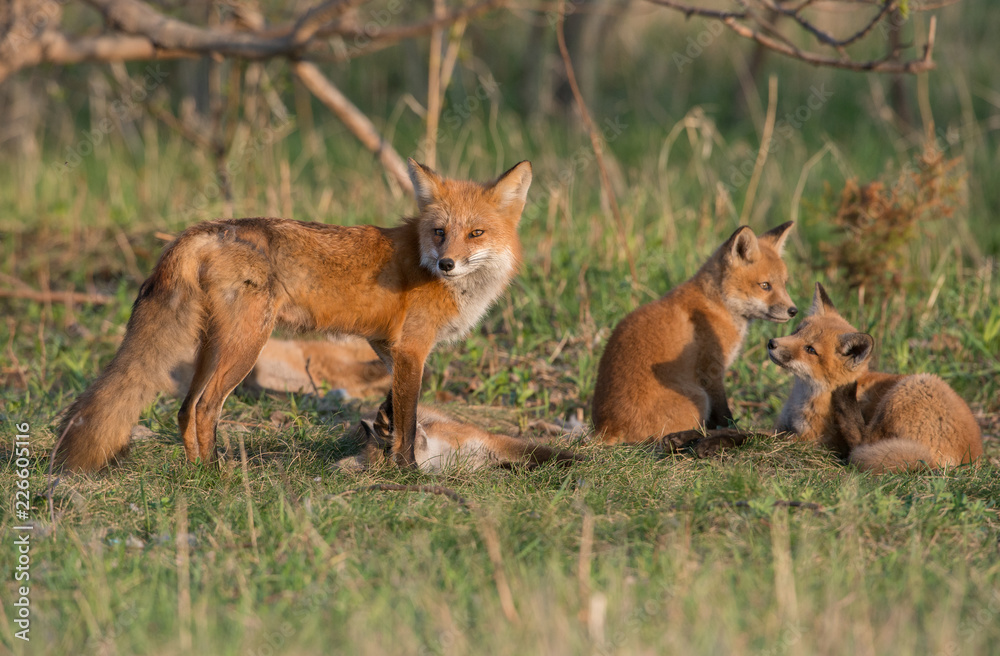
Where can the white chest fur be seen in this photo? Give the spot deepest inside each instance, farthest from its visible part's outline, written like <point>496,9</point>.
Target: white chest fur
<point>796,415</point>
<point>734,350</point>
<point>474,293</point>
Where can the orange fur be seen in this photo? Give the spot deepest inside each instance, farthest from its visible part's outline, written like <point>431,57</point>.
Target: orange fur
<point>298,365</point>
<point>663,368</point>
<point>222,286</point>
<point>879,422</point>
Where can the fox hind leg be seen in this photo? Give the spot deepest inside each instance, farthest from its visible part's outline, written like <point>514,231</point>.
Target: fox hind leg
<point>238,353</point>
<point>231,342</point>
<point>206,363</point>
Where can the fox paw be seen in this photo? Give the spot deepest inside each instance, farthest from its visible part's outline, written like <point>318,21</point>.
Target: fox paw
<point>702,445</point>
<point>681,440</point>
<point>718,440</point>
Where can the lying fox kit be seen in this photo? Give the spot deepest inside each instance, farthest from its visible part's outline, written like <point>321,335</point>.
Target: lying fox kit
<point>880,422</point>
<point>664,365</point>
<point>442,442</point>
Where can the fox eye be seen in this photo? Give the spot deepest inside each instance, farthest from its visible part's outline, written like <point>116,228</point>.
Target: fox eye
<point>475,233</point>
<point>766,286</point>
<point>439,232</point>
<point>811,351</point>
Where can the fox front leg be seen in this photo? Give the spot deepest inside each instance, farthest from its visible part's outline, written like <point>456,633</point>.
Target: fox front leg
<point>407,372</point>
<point>719,414</point>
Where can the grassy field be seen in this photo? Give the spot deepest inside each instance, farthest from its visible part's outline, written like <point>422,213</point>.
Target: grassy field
<point>629,552</point>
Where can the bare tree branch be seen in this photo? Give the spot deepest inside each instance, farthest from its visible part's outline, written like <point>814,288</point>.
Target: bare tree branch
<point>138,18</point>
<point>143,33</point>
<point>750,24</point>
<point>355,120</point>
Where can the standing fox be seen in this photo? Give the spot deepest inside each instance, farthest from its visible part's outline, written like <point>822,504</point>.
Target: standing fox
<point>222,286</point>
<point>443,442</point>
<point>663,369</point>
<point>879,422</point>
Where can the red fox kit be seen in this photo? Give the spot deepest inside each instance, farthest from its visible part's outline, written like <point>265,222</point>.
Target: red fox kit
<point>663,368</point>
<point>879,422</point>
<point>445,442</point>
<point>222,286</point>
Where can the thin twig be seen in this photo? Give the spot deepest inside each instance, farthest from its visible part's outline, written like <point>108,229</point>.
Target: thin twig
<point>595,142</point>
<point>12,326</point>
<point>801,184</point>
<point>763,149</point>
<point>739,22</point>
<point>56,297</point>
<point>434,89</point>
<point>183,561</point>
<point>825,37</point>
<point>246,488</point>
<point>583,564</point>
<point>489,534</point>
<point>393,35</point>
<point>310,376</point>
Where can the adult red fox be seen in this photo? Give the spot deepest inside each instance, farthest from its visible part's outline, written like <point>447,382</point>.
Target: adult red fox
<point>663,368</point>
<point>444,442</point>
<point>879,422</point>
<point>220,288</point>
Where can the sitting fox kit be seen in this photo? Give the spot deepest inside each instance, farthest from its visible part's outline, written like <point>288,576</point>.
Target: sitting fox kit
<point>879,422</point>
<point>443,442</point>
<point>221,287</point>
<point>663,368</point>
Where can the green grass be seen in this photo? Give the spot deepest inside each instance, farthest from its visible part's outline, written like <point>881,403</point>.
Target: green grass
<point>158,553</point>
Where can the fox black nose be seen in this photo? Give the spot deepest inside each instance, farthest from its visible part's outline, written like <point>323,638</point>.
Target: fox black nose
<point>792,311</point>
<point>446,264</point>
<point>771,344</point>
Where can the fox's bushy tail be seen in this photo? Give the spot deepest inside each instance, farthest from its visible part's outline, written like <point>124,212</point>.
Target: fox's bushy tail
<point>894,455</point>
<point>162,331</point>
<point>514,451</point>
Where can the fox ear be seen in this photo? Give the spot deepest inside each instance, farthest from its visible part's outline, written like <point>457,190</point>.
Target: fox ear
<point>512,186</point>
<point>368,428</point>
<point>425,182</point>
<point>856,347</point>
<point>743,246</point>
<point>821,302</point>
<point>775,237</point>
